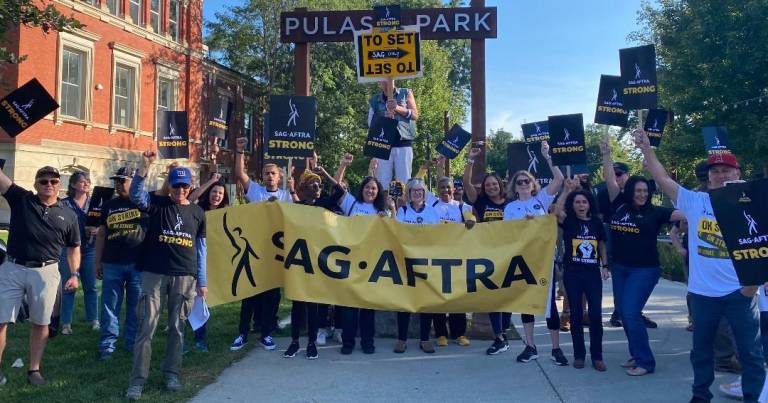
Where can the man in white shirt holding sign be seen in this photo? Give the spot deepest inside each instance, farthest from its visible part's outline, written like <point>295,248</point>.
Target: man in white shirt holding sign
<point>713,285</point>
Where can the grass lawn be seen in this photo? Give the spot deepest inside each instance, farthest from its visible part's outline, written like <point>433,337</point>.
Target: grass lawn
<point>75,375</point>
<point>4,236</point>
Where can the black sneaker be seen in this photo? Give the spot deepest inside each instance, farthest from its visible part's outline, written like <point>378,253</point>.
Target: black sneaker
<point>649,323</point>
<point>615,321</point>
<point>498,346</point>
<point>369,349</point>
<point>559,358</point>
<point>528,354</point>
<point>292,350</point>
<point>347,350</point>
<point>311,351</point>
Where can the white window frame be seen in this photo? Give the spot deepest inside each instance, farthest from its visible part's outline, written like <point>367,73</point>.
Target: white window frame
<point>168,73</point>
<point>159,14</point>
<point>141,11</point>
<point>174,33</point>
<point>118,12</point>
<point>128,57</point>
<point>81,41</point>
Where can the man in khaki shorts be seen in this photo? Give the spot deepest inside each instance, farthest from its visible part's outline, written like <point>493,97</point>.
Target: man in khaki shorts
<point>40,228</point>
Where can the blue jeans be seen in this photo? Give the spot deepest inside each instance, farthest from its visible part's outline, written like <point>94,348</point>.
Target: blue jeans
<point>742,314</point>
<point>118,280</point>
<point>585,281</point>
<point>632,286</point>
<point>87,283</point>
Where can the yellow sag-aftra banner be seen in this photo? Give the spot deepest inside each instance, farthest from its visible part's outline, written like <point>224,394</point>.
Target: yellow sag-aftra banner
<point>377,263</point>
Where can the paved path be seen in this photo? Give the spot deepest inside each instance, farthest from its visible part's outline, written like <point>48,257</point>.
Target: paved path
<point>466,374</point>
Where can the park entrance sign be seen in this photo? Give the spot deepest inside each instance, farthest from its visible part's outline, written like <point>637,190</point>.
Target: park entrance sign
<point>476,23</point>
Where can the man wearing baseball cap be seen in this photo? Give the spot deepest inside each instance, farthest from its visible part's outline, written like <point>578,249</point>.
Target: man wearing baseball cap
<point>712,282</point>
<point>40,228</point>
<point>118,248</point>
<point>173,261</point>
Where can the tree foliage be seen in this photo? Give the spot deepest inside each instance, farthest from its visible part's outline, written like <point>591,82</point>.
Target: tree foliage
<point>25,12</point>
<point>711,54</point>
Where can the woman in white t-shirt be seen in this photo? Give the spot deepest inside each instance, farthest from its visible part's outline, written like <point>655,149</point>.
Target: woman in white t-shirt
<point>415,211</point>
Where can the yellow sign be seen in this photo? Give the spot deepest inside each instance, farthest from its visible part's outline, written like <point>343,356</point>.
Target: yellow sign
<point>390,54</point>
<point>377,263</point>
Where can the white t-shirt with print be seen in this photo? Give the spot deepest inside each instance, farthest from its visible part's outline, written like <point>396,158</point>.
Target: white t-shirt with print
<point>352,207</point>
<point>428,215</point>
<point>535,206</point>
<point>258,193</point>
<point>711,272</point>
<point>453,211</point>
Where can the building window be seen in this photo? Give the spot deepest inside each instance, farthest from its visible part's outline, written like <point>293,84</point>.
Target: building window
<point>136,8</point>
<point>91,2</point>
<point>125,77</point>
<point>72,90</point>
<point>115,7</point>
<point>166,94</point>
<point>155,14</point>
<point>173,19</point>
<point>248,127</point>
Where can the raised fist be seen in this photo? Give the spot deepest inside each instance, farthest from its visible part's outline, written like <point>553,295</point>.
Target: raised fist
<point>240,144</point>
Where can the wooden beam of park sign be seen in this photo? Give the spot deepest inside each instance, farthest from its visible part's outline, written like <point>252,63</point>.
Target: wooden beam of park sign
<point>435,23</point>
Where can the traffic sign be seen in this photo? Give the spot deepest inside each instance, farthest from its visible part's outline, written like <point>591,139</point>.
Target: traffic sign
<point>390,54</point>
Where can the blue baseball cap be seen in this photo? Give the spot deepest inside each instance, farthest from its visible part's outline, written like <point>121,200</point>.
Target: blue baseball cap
<point>180,175</point>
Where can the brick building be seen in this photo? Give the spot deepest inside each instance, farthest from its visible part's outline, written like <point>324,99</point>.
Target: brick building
<point>132,59</point>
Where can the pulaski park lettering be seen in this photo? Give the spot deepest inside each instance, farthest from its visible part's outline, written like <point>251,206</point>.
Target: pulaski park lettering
<point>331,263</point>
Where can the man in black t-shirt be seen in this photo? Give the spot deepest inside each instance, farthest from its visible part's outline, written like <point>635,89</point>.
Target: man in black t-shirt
<point>118,248</point>
<point>173,261</point>
<point>40,228</point>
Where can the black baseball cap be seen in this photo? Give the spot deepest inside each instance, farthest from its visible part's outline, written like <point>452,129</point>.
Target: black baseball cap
<point>458,183</point>
<point>122,173</point>
<point>620,166</point>
<point>47,171</point>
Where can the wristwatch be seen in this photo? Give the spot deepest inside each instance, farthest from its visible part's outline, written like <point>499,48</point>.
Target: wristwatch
<point>74,274</point>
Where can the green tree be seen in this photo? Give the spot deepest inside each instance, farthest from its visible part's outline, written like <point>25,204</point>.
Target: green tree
<point>496,151</point>
<point>711,54</point>
<point>25,12</point>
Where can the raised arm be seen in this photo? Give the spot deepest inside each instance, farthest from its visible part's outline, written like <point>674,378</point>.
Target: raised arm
<point>240,175</point>
<point>436,161</point>
<point>319,170</point>
<point>5,182</point>
<point>412,107</point>
<point>469,188</point>
<point>608,173</point>
<point>557,174</point>
<point>137,192</point>
<point>215,177</point>
<point>657,171</point>
<point>570,185</point>
<point>344,162</point>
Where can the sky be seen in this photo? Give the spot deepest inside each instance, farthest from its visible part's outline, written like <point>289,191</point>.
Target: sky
<point>547,58</point>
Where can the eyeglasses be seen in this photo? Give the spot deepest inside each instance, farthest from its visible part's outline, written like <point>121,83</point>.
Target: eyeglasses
<point>181,185</point>
<point>522,182</point>
<point>119,180</point>
<point>619,174</point>
<point>45,182</point>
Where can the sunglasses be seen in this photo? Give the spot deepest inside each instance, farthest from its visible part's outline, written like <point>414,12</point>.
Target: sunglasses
<point>181,185</point>
<point>45,182</point>
<point>119,180</point>
<point>522,182</point>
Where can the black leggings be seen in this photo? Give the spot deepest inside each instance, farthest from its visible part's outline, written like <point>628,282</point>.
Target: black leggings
<point>457,322</point>
<point>404,319</point>
<point>260,308</point>
<point>301,312</point>
<point>553,322</point>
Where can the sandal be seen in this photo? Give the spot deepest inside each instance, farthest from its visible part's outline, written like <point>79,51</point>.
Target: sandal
<point>637,371</point>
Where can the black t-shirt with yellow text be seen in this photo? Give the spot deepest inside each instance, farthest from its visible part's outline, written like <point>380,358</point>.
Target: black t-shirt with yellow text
<point>126,227</point>
<point>581,239</point>
<point>634,232</point>
<point>486,210</point>
<point>170,245</point>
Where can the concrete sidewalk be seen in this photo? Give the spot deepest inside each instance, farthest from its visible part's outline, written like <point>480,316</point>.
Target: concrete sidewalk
<point>467,374</point>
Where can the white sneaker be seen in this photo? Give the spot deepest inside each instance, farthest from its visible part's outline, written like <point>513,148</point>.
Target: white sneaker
<point>337,336</point>
<point>66,330</point>
<point>732,389</point>
<point>321,337</point>
<point>95,325</point>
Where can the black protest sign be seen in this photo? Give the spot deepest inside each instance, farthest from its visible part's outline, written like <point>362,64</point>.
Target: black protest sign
<point>455,140</point>
<point>2,163</point>
<point>220,115</point>
<point>99,196</point>
<point>638,75</point>
<point>743,220</point>
<point>387,16</point>
<point>610,105</point>
<point>291,126</point>
<point>527,157</point>
<point>536,131</point>
<point>715,140</point>
<point>654,125</point>
<point>381,136</point>
<point>25,106</point>
<point>172,135</point>
<point>282,162</point>
<point>566,139</point>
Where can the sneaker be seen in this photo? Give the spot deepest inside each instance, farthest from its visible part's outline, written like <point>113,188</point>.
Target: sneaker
<point>240,342</point>
<point>369,349</point>
<point>733,389</point>
<point>3,379</point>
<point>442,341</point>
<point>105,355</point>
<point>321,337</point>
<point>337,336</point>
<point>427,347</point>
<point>268,343</point>
<point>95,325</point>
<point>34,378</point>
<point>400,347</point>
<point>134,392</point>
<point>293,348</point>
<point>462,341</point>
<point>311,351</point>
<point>172,383</point>
<point>649,323</point>
<point>528,354</point>
<point>201,346</point>
<point>615,321</point>
<point>498,346</point>
<point>66,330</point>
<point>559,358</point>
<point>347,350</point>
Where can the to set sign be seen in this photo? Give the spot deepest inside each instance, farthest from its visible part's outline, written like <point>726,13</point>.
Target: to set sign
<point>390,54</point>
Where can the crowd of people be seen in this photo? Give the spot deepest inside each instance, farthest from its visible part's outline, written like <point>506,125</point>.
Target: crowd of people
<point>149,250</point>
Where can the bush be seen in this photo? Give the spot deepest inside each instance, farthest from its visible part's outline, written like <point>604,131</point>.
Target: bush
<point>671,263</point>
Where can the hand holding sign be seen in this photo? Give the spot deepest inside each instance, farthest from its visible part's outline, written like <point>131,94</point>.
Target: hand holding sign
<point>605,145</point>
<point>474,152</point>
<point>641,140</point>
<point>347,158</point>
<point>545,150</point>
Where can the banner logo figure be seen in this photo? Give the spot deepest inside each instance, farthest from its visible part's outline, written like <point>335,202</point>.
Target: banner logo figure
<point>179,223</point>
<point>245,252</point>
<point>533,160</point>
<point>637,71</point>
<point>751,223</point>
<point>567,135</point>
<point>294,113</point>
<point>28,104</point>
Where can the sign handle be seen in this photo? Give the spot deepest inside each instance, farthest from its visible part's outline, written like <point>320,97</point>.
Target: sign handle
<point>288,172</point>
<point>640,119</point>
<point>568,171</point>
